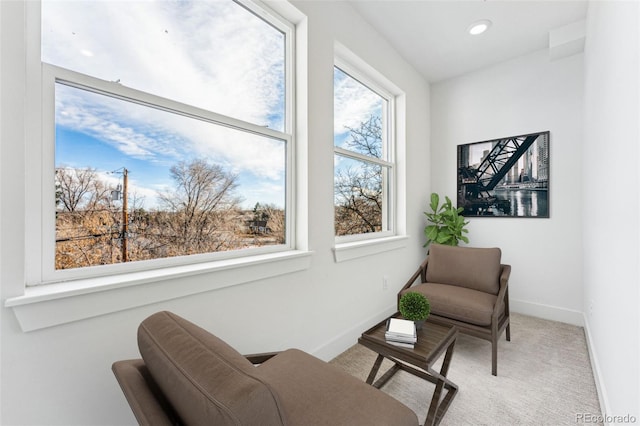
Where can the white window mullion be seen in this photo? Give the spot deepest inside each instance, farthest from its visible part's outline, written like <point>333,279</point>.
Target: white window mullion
<point>357,156</point>
<point>116,90</point>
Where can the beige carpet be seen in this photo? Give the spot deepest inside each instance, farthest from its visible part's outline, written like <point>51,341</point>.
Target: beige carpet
<point>544,377</point>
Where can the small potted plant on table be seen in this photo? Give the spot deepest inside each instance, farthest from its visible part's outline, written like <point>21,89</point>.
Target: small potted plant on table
<point>414,307</point>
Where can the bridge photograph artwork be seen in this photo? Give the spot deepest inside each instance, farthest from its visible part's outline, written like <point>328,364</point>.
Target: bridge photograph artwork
<point>507,177</point>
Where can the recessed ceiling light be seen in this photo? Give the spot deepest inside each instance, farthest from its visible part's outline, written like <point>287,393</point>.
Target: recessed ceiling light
<point>479,27</point>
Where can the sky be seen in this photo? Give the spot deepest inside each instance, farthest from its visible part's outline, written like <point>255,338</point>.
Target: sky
<point>214,55</point>
<point>353,104</point>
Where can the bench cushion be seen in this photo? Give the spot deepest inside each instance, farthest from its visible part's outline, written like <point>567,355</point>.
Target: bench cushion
<point>470,267</point>
<point>458,303</point>
<point>315,393</point>
<point>204,379</point>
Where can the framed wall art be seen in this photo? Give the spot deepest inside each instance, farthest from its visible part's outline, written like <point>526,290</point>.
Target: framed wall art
<point>507,177</point>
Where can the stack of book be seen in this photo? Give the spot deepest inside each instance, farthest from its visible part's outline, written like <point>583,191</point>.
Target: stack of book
<point>401,332</point>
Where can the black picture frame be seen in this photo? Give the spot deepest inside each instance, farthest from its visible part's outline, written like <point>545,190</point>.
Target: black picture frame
<point>505,177</point>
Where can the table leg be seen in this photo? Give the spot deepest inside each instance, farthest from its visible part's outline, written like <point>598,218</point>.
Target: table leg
<point>374,369</point>
<point>438,408</point>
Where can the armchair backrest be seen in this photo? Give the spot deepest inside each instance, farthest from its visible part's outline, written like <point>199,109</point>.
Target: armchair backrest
<point>205,380</point>
<point>470,267</point>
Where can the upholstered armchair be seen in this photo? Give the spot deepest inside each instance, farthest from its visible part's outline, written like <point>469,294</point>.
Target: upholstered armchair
<point>466,287</point>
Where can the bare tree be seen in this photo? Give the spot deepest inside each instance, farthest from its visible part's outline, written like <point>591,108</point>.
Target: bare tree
<point>359,191</point>
<point>200,209</point>
<point>367,138</point>
<point>273,219</point>
<point>358,188</point>
<point>276,222</point>
<point>84,219</point>
<point>79,188</point>
<point>84,239</point>
<point>199,214</point>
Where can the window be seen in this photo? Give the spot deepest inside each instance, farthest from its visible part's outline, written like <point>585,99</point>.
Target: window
<point>170,134</point>
<point>364,166</point>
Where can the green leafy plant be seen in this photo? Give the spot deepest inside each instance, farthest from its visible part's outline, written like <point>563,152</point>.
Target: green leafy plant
<point>414,306</point>
<point>447,224</point>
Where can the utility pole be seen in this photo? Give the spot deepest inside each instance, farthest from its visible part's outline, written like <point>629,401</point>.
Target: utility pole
<point>125,214</point>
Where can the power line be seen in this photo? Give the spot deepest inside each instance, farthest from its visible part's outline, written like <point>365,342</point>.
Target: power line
<point>85,237</point>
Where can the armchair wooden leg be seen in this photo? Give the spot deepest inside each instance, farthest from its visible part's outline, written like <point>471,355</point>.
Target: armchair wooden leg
<point>508,332</point>
<point>494,356</point>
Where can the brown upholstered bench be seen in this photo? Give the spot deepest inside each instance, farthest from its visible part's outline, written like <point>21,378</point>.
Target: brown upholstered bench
<point>189,376</point>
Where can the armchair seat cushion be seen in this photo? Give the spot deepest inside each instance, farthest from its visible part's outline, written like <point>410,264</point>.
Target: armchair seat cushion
<point>315,393</point>
<point>458,303</point>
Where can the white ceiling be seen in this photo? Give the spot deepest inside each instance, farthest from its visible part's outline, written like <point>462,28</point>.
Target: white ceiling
<point>432,34</point>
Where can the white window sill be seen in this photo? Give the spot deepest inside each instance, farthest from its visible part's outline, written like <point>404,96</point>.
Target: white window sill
<point>353,250</point>
<point>54,304</point>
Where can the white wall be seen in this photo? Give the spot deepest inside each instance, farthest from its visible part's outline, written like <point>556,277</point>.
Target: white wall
<point>611,212</point>
<point>521,96</point>
<point>61,375</point>
<point>1,105</point>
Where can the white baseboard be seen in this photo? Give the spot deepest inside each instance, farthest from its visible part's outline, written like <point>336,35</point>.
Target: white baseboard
<point>595,367</point>
<point>553,313</point>
<point>349,337</point>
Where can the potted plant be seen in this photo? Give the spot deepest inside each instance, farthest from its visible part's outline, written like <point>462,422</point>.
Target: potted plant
<point>414,307</point>
<point>447,224</point>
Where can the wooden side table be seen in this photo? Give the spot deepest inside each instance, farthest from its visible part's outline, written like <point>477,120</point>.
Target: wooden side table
<point>433,341</point>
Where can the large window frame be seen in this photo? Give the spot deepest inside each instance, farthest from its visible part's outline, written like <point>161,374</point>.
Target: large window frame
<point>61,302</point>
<point>42,79</point>
<point>365,75</point>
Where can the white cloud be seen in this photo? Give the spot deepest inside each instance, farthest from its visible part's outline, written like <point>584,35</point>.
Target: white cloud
<point>354,103</point>
<point>113,121</point>
<point>213,55</point>
<point>264,193</point>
